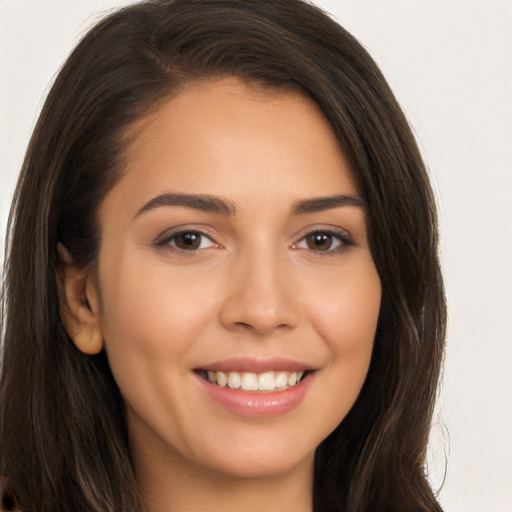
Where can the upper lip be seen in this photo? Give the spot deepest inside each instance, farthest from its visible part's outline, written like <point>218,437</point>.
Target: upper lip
<point>256,365</point>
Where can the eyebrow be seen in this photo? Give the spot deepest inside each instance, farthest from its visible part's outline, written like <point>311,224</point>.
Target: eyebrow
<point>213,204</point>
<point>204,203</point>
<point>319,204</point>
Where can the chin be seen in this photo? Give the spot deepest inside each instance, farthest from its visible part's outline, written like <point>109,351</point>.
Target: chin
<point>253,466</point>
<point>258,455</point>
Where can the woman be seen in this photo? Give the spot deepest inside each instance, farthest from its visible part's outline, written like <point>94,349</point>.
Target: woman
<point>222,273</point>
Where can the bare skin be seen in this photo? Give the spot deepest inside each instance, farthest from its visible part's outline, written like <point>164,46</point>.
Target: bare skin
<point>263,278</point>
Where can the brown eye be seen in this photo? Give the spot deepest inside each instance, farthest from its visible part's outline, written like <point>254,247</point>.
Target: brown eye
<point>325,241</point>
<point>190,241</point>
<point>320,241</point>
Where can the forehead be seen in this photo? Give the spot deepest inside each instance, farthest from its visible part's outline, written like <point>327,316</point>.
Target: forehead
<point>227,137</point>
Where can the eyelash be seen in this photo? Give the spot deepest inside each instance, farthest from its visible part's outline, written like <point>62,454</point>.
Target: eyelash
<point>164,240</point>
<point>342,238</point>
<point>344,241</point>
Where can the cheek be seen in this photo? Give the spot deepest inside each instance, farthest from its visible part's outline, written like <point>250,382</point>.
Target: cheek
<point>152,319</point>
<point>346,311</point>
<point>149,302</point>
<point>346,318</point>
<point>149,321</point>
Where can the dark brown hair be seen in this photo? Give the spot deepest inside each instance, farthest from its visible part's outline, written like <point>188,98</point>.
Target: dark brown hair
<point>63,441</point>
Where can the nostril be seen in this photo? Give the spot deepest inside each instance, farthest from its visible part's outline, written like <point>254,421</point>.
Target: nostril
<point>260,310</point>
<point>261,327</point>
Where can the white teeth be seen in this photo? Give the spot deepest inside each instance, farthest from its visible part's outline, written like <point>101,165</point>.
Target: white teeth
<point>234,380</point>
<point>249,381</point>
<point>281,380</point>
<point>266,381</point>
<point>222,379</point>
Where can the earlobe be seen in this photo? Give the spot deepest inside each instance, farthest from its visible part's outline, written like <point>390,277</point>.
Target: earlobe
<point>79,304</point>
<point>89,341</point>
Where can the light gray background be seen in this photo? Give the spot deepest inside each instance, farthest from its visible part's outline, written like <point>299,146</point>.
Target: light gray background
<point>450,64</point>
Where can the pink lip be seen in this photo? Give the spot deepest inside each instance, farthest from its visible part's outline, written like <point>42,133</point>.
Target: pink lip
<point>256,365</point>
<point>253,404</point>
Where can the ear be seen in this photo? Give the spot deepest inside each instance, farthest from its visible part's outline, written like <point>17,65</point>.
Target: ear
<point>79,303</point>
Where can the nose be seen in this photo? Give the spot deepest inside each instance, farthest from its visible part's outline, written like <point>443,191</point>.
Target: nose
<point>260,297</point>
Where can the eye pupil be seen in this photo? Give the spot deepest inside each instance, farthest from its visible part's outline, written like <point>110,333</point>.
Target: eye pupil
<point>188,240</point>
<point>319,241</point>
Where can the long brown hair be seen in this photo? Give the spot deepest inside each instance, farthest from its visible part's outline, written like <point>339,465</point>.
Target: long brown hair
<point>63,440</point>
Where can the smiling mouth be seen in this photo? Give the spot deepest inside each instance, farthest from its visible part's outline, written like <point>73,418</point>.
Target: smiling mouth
<point>248,381</point>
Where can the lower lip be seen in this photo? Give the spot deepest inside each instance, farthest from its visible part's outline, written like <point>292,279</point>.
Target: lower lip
<point>258,404</point>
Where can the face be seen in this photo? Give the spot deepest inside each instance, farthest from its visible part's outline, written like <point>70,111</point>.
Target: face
<point>239,299</point>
